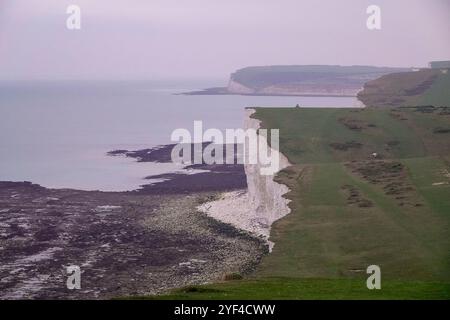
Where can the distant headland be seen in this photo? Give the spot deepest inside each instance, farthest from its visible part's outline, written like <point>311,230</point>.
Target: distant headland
<point>300,80</point>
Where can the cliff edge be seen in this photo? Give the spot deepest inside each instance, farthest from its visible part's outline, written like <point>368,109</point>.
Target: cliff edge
<point>257,208</point>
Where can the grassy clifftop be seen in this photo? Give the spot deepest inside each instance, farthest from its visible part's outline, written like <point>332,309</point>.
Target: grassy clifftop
<point>425,87</point>
<point>351,209</point>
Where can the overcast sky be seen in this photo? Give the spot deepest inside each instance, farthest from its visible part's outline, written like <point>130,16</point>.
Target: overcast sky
<point>151,39</point>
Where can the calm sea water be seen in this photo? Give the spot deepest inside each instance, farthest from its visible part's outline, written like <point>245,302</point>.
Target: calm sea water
<point>58,134</point>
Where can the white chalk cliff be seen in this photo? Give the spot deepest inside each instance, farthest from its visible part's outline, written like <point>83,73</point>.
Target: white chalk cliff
<point>257,208</point>
<point>238,88</point>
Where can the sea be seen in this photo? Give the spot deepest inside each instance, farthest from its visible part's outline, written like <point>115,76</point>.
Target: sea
<point>57,134</point>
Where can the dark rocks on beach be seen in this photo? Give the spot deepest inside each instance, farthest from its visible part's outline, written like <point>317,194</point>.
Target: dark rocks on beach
<point>225,178</point>
<point>125,243</point>
<point>211,177</point>
<point>160,154</point>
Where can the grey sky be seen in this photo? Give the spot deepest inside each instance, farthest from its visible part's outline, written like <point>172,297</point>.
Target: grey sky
<point>148,39</point>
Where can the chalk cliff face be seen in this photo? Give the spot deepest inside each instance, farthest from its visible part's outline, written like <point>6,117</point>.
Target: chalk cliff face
<point>265,195</point>
<point>297,89</point>
<point>255,209</point>
<point>238,88</point>
<point>325,90</point>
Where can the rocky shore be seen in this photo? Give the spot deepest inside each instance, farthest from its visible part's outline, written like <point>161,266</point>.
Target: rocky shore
<point>126,243</point>
<point>193,178</point>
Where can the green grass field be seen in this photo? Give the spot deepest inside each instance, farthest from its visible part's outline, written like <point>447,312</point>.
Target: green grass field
<point>307,289</point>
<point>439,93</point>
<point>351,209</point>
